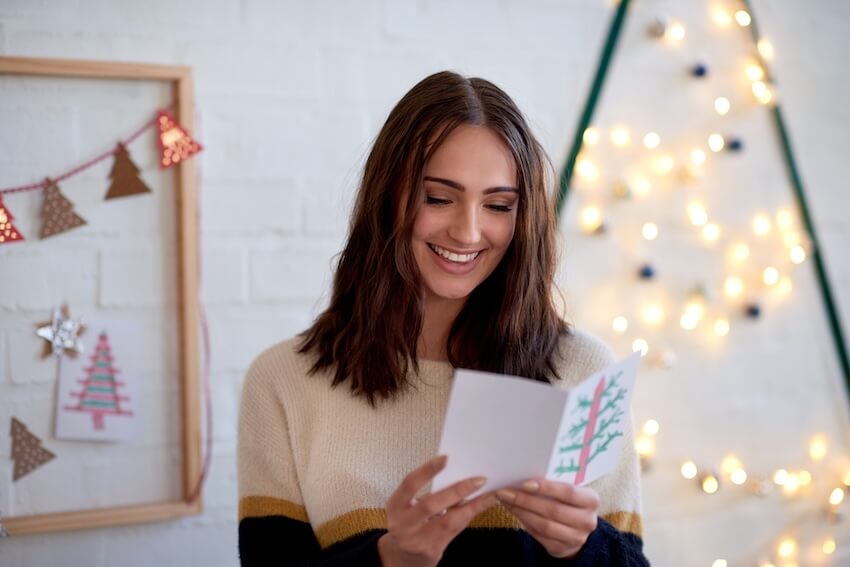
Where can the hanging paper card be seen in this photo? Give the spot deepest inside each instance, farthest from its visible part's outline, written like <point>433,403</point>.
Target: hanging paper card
<point>27,452</point>
<point>8,232</point>
<point>57,212</point>
<point>125,176</point>
<point>175,144</point>
<point>98,392</point>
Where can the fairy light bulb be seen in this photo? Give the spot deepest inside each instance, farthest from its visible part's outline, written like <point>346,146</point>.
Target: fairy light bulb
<point>641,185</point>
<point>590,136</point>
<point>738,476</point>
<point>780,477</point>
<point>817,447</point>
<point>711,232</point>
<point>828,546</point>
<point>733,286</point>
<point>719,563</point>
<point>697,214</point>
<point>620,136</point>
<point>721,105</point>
<point>770,276</point>
<point>721,327</point>
<point>651,140</point>
<point>664,164</point>
<point>846,479</point>
<point>786,548</point>
<point>709,484</point>
<point>676,32</point>
<point>716,142</point>
<point>587,169</point>
<point>689,470</point>
<point>722,18</point>
<point>755,72</point>
<point>762,92</point>
<point>784,219</point>
<point>591,219</point>
<point>791,239</point>
<point>784,286</point>
<point>797,254</point>
<point>761,224</point>
<point>645,446</point>
<point>697,156</point>
<point>836,497</point>
<point>620,324</point>
<point>641,346</point>
<point>651,427</point>
<point>765,49</point>
<point>743,18</point>
<point>804,477</point>
<point>653,314</point>
<point>649,231</point>
<point>730,463</point>
<point>740,252</point>
<point>791,485</point>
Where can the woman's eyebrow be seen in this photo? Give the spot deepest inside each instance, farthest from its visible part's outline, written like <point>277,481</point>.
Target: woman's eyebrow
<point>459,187</point>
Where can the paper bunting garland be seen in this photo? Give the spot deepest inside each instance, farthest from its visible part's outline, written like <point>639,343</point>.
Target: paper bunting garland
<point>57,213</point>
<point>27,452</point>
<point>124,176</point>
<point>8,232</point>
<point>175,145</point>
<point>62,334</point>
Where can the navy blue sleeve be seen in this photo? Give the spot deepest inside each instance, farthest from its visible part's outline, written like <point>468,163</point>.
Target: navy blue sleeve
<point>284,542</point>
<point>606,545</point>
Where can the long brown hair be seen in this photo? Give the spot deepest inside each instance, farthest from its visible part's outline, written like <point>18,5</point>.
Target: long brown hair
<point>368,334</point>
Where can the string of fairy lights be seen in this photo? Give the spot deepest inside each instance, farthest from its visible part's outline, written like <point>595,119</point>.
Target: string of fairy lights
<point>759,263</point>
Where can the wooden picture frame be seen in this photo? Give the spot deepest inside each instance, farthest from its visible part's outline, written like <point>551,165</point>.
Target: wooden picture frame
<point>180,78</point>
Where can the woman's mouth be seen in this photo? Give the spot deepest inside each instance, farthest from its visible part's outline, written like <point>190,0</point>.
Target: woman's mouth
<point>452,256</point>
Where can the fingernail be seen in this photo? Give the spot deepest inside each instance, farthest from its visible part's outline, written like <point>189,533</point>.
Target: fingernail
<point>479,481</point>
<point>506,495</point>
<point>440,461</point>
<point>531,485</point>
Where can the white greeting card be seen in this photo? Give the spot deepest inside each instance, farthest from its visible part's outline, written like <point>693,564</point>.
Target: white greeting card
<point>97,395</point>
<point>512,429</point>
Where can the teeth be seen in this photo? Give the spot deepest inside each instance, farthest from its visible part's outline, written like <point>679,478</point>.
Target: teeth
<point>452,257</point>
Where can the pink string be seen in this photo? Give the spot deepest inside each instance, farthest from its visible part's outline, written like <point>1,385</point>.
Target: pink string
<point>86,165</point>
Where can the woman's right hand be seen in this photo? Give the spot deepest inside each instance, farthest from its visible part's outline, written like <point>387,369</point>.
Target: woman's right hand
<point>420,529</point>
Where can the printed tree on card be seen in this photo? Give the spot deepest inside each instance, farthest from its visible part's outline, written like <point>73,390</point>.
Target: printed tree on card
<point>99,393</point>
<point>593,427</point>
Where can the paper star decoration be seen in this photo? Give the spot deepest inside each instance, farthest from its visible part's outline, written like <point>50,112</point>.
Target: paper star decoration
<point>62,334</point>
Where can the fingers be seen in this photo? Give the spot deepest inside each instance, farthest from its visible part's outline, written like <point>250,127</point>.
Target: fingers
<point>413,482</point>
<point>578,496</point>
<point>445,528</point>
<point>583,519</point>
<point>434,504</point>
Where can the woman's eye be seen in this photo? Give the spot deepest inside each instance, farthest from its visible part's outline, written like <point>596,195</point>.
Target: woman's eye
<point>436,201</point>
<point>501,208</point>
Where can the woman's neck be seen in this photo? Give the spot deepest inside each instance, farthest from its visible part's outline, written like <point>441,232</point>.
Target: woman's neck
<point>437,319</point>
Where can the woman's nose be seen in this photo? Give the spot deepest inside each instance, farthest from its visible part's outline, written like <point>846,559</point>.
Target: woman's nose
<point>465,228</point>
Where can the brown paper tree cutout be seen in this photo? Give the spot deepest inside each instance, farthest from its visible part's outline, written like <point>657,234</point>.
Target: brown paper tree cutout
<point>57,213</point>
<point>27,451</point>
<point>8,232</point>
<point>125,176</point>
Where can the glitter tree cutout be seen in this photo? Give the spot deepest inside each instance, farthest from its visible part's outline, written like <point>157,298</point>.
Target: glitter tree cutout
<point>27,452</point>
<point>125,176</point>
<point>99,395</point>
<point>175,145</point>
<point>591,435</point>
<point>8,232</point>
<point>57,213</point>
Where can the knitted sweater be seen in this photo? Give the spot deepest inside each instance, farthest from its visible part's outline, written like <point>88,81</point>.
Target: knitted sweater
<point>317,465</point>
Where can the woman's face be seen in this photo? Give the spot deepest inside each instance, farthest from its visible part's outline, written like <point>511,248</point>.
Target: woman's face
<point>464,227</point>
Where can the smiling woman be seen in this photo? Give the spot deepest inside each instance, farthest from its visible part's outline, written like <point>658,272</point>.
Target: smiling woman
<point>449,263</point>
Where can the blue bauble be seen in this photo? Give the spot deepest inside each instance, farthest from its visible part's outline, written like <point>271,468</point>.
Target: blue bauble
<point>646,272</point>
<point>699,70</point>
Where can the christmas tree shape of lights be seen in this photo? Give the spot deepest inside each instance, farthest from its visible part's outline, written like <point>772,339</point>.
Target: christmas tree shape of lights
<point>591,430</point>
<point>99,393</point>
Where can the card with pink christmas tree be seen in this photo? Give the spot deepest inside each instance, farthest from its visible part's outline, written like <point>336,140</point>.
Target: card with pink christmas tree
<point>97,394</point>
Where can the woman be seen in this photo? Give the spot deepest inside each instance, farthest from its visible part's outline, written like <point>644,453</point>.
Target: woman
<point>449,263</point>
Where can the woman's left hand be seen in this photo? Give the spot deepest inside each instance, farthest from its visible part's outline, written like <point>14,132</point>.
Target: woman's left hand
<point>558,515</point>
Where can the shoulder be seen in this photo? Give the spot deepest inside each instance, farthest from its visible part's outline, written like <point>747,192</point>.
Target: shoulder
<point>580,354</point>
<point>277,366</point>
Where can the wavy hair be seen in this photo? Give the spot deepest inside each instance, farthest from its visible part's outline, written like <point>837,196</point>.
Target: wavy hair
<point>368,334</point>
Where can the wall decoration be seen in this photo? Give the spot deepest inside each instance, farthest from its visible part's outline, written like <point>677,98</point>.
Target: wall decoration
<point>119,358</point>
<point>97,392</point>
<point>27,451</point>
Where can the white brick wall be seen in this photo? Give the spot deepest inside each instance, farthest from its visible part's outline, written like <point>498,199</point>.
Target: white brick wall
<point>289,96</point>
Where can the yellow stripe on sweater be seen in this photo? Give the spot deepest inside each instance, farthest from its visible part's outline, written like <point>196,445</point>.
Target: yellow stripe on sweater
<point>259,506</point>
<point>626,522</point>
